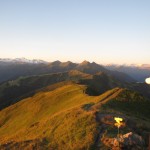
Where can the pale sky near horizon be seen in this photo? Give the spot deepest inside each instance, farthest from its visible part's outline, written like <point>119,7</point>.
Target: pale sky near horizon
<point>104,31</point>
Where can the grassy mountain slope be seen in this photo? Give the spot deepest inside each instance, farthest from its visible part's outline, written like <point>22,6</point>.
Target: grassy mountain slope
<point>55,118</point>
<point>23,87</point>
<point>15,90</point>
<point>46,115</point>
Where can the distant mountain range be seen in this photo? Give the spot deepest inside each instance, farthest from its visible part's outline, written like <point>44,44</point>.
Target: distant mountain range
<point>141,66</point>
<point>13,68</point>
<point>38,61</point>
<point>138,72</point>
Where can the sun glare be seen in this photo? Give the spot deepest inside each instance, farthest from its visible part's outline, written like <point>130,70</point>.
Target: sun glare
<point>147,80</point>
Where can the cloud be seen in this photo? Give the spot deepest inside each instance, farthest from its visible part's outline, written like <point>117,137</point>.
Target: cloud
<point>147,80</point>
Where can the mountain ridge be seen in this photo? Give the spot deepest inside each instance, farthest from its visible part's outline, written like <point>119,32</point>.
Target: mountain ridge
<point>11,71</point>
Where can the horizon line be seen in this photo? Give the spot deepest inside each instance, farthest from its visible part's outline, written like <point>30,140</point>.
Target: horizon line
<point>109,63</point>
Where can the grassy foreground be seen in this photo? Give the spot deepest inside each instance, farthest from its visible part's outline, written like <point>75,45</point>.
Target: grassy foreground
<point>55,117</point>
<point>59,117</point>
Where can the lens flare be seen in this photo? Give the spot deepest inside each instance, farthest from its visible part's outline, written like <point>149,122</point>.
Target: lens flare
<point>147,80</point>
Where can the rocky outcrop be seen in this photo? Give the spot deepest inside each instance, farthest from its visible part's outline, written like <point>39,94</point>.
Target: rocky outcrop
<point>129,141</point>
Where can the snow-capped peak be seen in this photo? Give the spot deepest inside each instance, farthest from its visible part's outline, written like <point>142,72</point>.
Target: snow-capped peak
<point>23,60</point>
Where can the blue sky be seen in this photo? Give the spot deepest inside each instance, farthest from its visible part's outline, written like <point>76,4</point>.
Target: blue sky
<point>105,31</point>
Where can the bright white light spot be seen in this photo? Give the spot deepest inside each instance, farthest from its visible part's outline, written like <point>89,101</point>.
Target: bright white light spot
<point>147,80</point>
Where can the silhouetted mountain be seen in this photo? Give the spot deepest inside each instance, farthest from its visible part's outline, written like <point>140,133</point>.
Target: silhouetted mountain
<point>58,66</point>
<point>12,70</point>
<point>90,68</point>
